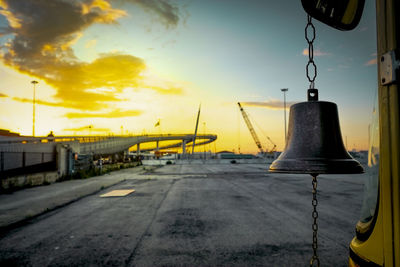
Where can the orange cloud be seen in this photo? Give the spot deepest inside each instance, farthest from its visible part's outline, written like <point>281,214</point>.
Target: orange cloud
<point>272,104</point>
<point>12,20</point>
<point>81,83</point>
<point>87,128</point>
<point>117,113</point>
<point>52,104</point>
<point>371,62</point>
<point>109,15</point>
<point>167,90</point>
<point>3,95</point>
<point>42,48</point>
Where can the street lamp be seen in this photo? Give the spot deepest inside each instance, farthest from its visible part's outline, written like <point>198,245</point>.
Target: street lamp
<point>204,133</point>
<point>284,90</point>
<point>34,102</point>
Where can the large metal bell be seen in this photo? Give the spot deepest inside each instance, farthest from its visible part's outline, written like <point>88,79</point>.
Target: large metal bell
<point>314,143</point>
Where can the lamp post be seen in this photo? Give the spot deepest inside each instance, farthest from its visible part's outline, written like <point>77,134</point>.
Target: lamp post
<point>204,133</point>
<point>34,102</point>
<point>284,90</point>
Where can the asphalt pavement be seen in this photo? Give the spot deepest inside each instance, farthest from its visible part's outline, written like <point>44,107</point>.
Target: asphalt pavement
<point>183,215</point>
<point>22,205</point>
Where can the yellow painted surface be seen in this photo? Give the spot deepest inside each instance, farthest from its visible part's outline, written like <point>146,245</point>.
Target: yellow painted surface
<point>350,13</point>
<point>118,193</point>
<point>395,175</point>
<point>372,248</point>
<point>352,263</point>
<point>383,246</point>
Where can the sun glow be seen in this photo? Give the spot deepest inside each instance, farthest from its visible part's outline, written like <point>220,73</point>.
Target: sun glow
<point>111,67</point>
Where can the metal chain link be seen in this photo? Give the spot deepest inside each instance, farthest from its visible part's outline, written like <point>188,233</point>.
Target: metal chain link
<point>314,258</point>
<point>310,37</point>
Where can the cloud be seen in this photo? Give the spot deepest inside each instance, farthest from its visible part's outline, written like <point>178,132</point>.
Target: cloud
<point>3,95</point>
<point>117,113</point>
<point>90,128</point>
<point>371,62</point>
<point>167,12</point>
<point>48,103</point>
<point>343,66</point>
<point>91,43</point>
<point>44,32</point>
<point>172,90</point>
<point>317,53</point>
<point>272,104</point>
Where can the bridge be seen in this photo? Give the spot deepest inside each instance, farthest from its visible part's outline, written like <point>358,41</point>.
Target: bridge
<point>30,152</point>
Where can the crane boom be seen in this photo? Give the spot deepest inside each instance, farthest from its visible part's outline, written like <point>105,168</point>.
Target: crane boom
<point>251,129</point>
<point>274,145</point>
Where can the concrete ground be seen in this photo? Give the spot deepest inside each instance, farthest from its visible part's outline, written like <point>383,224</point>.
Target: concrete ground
<point>191,215</point>
<point>25,204</point>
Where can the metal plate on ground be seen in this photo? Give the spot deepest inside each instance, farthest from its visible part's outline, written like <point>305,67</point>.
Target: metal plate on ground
<point>118,193</point>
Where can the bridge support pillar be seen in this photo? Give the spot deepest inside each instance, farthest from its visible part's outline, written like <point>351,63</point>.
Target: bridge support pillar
<point>157,145</point>
<point>183,147</point>
<point>138,149</point>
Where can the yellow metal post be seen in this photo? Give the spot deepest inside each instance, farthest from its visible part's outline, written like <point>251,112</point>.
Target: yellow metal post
<point>383,245</point>
<point>388,37</point>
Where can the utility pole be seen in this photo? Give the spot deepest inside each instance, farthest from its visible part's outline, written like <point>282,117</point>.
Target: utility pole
<point>34,103</point>
<point>284,90</point>
<point>204,133</point>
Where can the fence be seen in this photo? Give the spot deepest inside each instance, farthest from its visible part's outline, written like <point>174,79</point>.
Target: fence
<point>83,162</point>
<point>14,163</point>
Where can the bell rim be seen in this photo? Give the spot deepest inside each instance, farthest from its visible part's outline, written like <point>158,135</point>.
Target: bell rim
<point>314,166</point>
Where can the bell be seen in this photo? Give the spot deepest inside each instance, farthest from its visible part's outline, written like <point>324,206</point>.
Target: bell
<point>314,143</point>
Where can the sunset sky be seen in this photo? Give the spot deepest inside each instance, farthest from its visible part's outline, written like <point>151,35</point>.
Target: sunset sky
<point>119,66</point>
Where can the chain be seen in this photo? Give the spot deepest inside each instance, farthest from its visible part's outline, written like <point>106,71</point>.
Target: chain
<point>310,37</point>
<point>314,258</point>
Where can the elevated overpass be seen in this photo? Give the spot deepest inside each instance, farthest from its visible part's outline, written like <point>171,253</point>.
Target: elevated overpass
<point>24,151</point>
<point>98,145</point>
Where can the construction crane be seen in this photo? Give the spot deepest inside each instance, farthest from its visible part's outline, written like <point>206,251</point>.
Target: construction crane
<point>253,133</point>
<point>274,145</point>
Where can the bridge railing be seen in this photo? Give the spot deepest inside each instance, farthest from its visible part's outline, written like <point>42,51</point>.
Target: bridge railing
<point>92,143</point>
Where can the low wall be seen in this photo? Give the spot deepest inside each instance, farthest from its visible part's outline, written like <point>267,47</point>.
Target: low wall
<point>34,179</point>
<point>28,180</point>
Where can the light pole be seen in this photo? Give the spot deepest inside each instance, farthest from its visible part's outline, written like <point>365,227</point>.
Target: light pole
<point>34,102</point>
<point>284,90</point>
<point>204,133</point>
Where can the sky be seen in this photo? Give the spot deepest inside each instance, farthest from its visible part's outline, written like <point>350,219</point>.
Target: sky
<point>111,67</point>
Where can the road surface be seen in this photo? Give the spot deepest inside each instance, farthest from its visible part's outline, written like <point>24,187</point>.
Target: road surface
<point>195,215</point>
